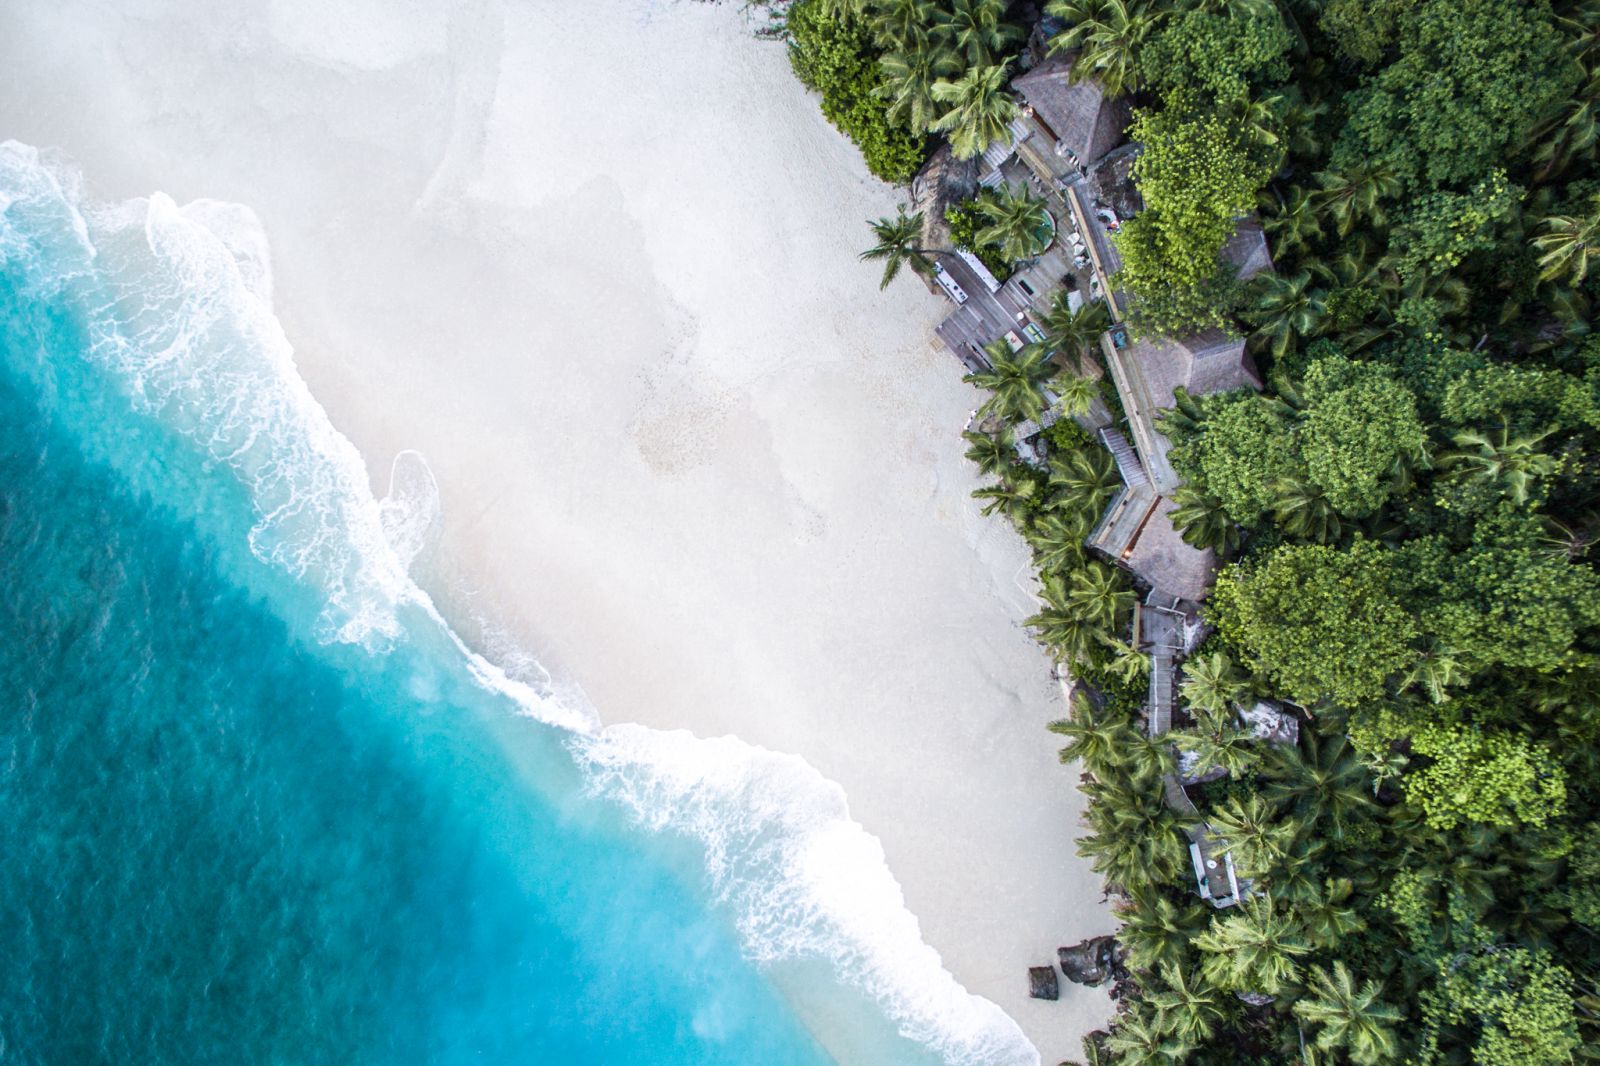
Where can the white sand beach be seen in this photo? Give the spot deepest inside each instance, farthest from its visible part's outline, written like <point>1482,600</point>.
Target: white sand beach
<point>595,260</point>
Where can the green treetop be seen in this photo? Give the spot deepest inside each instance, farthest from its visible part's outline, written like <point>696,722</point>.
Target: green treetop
<point>1471,78</point>
<point>1198,174</point>
<point>1223,54</point>
<point>1321,623</point>
<point>1360,434</point>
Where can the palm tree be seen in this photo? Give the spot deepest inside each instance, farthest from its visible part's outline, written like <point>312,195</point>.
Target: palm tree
<point>1184,418</point>
<point>1074,332</point>
<point>1150,759</point>
<point>980,109</point>
<point>977,29</point>
<point>1257,837</point>
<point>1094,1051</point>
<point>1286,310</point>
<point>1155,930</point>
<point>1434,671</point>
<point>1128,664</point>
<point>1187,1008</point>
<point>1571,540</point>
<point>1099,743</point>
<point>1567,243</point>
<point>1087,478</point>
<point>1291,222</point>
<point>1202,522</point>
<point>1325,781</point>
<point>1324,908</point>
<point>1014,496</point>
<point>1231,750</point>
<point>1582,26</point>
<point>1057,540</point>
<point>1018,223</point>
<point>897,245</point>
<point>1569,136</point>
<point>1348,197</point>
<point>1351,1019</point>
<point>1014,378</point>
<point>1107,35</point>
<point>1260,124</point>
<point>1253,949</point>
<point>1070,637</point>
<point>1446,294</point>
<point>1211,683</point>
<point>902,24</point>
<point>1135,840</point>
<point>1101,594</point>
<point>1302,510</point>
<point>1074,394</point>
<point>993,452</point>
<point>1138,1039</point>
<point>1514,463</point>
<point>908,79</point>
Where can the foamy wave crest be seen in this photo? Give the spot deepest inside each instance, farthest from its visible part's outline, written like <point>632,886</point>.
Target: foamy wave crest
<point>801,878</point>
<point>181,317</point>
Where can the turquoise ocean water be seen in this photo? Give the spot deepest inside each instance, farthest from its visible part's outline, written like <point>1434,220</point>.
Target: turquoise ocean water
<point>257,803</point>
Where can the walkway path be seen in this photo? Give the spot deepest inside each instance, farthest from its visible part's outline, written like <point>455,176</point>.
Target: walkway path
<point>1161,634</point>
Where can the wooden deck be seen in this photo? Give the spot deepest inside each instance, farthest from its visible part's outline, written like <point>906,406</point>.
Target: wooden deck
<point>986,315</point>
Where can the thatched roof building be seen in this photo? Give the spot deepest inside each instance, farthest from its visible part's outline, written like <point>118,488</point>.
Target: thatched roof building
<point>1076,115</point>
<point>1147,372</point>
<point>1136,532</point>
<point>1247,249</point>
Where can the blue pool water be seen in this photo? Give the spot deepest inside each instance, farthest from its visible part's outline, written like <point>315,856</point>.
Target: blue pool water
<point>257,804</point>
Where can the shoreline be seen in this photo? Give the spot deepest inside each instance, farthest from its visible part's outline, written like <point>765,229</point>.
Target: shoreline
<point>791,420</point>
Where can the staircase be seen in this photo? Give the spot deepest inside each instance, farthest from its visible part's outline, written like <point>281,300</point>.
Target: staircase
<point>1163,691</point>
<point>1128,464</point>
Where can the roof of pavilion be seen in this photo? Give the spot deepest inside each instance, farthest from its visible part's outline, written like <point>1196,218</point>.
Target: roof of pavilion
<point>1084,121</point>
<point>1148,371</point>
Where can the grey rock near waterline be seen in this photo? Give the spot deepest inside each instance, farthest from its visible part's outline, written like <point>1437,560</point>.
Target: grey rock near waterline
<point>1093,962</point>
<point>1042,982</point>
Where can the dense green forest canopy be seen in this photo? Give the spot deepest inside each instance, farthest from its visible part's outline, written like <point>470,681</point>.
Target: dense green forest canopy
<point>1406,513</point>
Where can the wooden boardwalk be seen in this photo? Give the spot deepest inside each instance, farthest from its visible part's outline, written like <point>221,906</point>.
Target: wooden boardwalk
<point>1161,636</point>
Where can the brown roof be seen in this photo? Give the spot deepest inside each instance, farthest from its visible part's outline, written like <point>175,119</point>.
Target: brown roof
<point>1247,249</point>
<point>1136,531</point>
<point>1169,563</point>
<point>1085,123</point>
<point>1148,371</point>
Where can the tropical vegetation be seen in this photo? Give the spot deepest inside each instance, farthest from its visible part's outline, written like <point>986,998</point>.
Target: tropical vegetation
<point>894,74</point>
<point>1405,512</point>
<point>1405,515</point>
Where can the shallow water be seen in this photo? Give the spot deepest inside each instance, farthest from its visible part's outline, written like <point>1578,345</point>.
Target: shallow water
<point>257,804</point>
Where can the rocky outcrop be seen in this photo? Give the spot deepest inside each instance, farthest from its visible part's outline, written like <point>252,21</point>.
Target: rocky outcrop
<point>1042,982</point>
<point>943,181</point>
<point>1093,962</point>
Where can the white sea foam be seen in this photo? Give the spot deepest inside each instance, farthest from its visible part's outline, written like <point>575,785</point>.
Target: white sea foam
<point>410,511</point>
<point>800,877</point>
<point>189,330</point>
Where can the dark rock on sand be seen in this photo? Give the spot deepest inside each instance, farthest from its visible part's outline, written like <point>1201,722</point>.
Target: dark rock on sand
<point>1042,982</point>
<point>1093,962</point>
